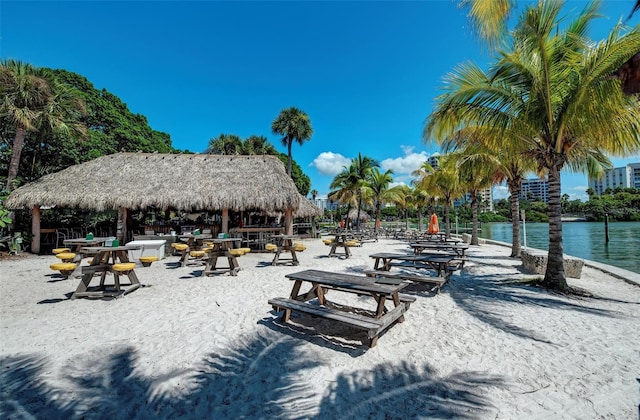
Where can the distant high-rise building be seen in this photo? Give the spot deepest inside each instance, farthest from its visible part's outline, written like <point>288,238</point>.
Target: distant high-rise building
<point>433,160</point>
<point>624,177</point>
<point>535,188</point>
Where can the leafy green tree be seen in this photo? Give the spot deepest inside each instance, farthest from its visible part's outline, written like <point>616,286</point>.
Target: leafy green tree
<point>344,188</point>
<point>302,180</point>
<point>258,145</point>
<point>225,144</point>
<point>112,126</point>
<point>540,96</point>
<point>33,100</point>
<point>293,125</point>
<point>378,184</point>
<point>363,165</point>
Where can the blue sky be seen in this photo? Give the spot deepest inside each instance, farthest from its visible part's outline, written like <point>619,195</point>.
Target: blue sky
<point>366,73</point>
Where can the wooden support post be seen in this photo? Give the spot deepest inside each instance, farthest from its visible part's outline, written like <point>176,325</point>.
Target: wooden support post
<point>35,230</point>
<point>225,220</point>
<point>288,222</point>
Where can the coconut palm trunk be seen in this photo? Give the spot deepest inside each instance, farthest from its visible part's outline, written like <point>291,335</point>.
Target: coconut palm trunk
<point>447,228</point>
<point>514,190</point>
<point>474,218</point>
<point>16,153</point>
<point>554,276</point>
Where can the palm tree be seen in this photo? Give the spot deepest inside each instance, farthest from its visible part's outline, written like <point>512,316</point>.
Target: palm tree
<point>345,189</point>
<point>293,125</point>
<point>400,196</point>
<point>378,185</point>
<point>489,18</point>
<point>33,100</point>
<point>314,194</point>
<point>363,166</point>
<point>551,98</point>
<point>442,182</point>
<point>477,172</point>
<point>225,144</point>
<point>258,145</point>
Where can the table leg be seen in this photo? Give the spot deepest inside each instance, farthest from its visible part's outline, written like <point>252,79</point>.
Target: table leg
<point>380,310</point>
<point>396,302</point>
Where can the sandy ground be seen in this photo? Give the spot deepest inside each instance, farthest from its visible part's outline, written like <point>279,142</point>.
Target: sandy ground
<point>185,346</point>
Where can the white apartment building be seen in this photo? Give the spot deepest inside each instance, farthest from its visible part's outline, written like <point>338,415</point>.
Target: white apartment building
<point>535,187</point>
<point>624,177</point>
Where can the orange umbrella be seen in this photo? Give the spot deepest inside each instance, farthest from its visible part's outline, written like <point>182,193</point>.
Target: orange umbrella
<point>433,224</point>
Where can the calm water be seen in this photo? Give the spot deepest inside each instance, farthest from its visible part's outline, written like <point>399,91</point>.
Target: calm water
<point>580,239</point>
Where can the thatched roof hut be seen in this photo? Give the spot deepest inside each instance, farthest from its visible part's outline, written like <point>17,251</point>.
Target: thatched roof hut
<point>179,181</point>
<point>307,209</point>
<point>364,216</point>
<point>184,182</point>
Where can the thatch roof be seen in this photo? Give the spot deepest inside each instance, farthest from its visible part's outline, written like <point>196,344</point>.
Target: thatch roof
<point>353,215</point>
<point>179,181</point>
<point>307,209</point>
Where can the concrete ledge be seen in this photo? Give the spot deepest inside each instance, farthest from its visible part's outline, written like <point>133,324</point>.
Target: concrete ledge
<point>466,238</point>
<point>535,261</point>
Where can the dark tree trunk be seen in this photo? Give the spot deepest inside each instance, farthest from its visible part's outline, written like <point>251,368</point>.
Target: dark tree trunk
<point>514,190</point>
<point>554,277</point>
<point>447,228</point>
<point>16,153</point>
<point>474,218</point>
<point>289,144</point>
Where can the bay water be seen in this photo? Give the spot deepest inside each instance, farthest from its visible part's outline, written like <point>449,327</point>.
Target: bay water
<point>580,239</point>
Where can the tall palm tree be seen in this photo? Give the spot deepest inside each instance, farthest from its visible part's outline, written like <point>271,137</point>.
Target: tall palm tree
<point>32,100</point>
<point>550,98</point>
<point>344,189</point>
<point>363,165</point>
<point>225,144</point>
<point>293,125</point>
<point>442,182</point>
<point>378,184</point>
<point>400,196</point>
<point>477,172</point>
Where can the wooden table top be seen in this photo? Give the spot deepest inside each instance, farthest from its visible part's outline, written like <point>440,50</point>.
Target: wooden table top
<point>347,282</point>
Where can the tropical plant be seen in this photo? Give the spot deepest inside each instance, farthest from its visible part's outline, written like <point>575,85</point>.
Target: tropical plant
<point>442,182</point>
<point>293,125</point>
<point>258,145</point>
<point>477,171</point>
<point>225,144</point>
<point>32,100</point>
<point>400,196</point>
<point>378,185</point>
<point>489,18</point>
<point>344,189</point>
<point>363,165</point>
<point>550,95</point>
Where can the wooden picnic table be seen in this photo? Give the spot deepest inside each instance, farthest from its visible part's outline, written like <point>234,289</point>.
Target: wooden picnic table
<point>221,248</point>
<point>340,240</point>
<point>458,248</point>
<point>320,281</point>
<point>105,257</point>
<point>284,243</point>
<point>194,242</point>
<point>442,264</point>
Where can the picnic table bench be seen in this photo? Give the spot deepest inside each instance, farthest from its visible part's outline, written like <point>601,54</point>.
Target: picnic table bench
<point>321,281</point>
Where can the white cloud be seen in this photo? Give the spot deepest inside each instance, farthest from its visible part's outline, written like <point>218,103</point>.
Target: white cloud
<point>329,163</point>
<point>579,192</point>
<point>500,192</point>
<point>407,163</point>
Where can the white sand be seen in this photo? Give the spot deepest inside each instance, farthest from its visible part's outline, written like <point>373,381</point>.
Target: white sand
<point>211,347</point>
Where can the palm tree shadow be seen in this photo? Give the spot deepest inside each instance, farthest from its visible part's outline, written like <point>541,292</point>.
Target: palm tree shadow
<point>264,375</point>
<point>484,296</point>
<point>24,392</point>
<point>407,391</point>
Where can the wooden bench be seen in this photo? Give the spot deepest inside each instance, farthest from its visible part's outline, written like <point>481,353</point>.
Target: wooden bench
<point>436,281</point>
<point>372,326</point>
